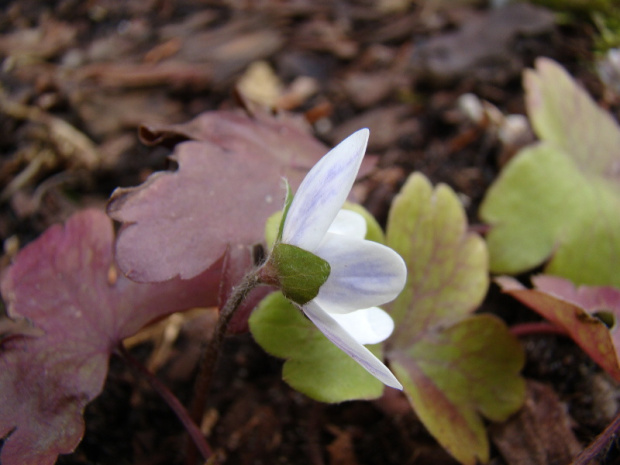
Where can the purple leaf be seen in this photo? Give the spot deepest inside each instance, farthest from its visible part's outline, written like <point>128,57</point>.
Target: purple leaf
<point>573,309</point>
<point>228,183</point>
<point>65,283</point>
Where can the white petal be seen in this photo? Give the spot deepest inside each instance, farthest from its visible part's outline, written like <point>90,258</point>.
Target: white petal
<point>349,223</point>
<point>323,192</point>
<point>363,274</point>
<point>367,326</point>
<point>343,340</point>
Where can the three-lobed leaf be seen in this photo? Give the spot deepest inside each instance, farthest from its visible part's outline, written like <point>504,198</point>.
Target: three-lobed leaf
<point>455,368</point>
<point>66,285</point>
<point>559,200</point>
<point>446,267</point>
<point>458,374</point>
<point>314,365</point>
<point>227,184</point>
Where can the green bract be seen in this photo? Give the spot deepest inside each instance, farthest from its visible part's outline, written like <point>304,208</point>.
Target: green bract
<point>287,205</point>
<point>300,273</point>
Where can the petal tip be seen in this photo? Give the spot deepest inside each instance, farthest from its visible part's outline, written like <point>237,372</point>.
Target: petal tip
<point>364,132</point>
<point>395,384</point>
<point>360,136</point>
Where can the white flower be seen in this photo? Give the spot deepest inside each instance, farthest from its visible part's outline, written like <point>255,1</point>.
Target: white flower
<point>362,275</point>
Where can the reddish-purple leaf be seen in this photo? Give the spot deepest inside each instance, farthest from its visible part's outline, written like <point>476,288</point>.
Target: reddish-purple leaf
<point>228,183</point>
<point>572,308</point>
<point>591,298</point>
<point>65,283</point>
<point>14,328</point>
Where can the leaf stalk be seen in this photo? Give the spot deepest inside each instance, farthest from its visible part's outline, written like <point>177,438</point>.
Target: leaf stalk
<point>172,401</point>
<point>209,356</point>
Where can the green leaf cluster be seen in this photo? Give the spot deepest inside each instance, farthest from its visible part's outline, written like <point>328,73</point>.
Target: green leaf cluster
<point>605,14</point>
<point>557,202</point>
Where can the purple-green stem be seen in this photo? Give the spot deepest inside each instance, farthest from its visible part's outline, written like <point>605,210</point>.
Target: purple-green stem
<point>172,401</point>
<point>208,359</point>
<point>601,442</point>
<point>539,327</point>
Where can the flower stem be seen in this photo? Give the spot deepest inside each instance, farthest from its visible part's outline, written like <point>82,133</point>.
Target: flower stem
<point>210,354</point>
<point>601,442</point>
<point>172,401</point>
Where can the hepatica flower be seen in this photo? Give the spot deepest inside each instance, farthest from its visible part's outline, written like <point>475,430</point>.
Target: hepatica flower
<point>323,264</point>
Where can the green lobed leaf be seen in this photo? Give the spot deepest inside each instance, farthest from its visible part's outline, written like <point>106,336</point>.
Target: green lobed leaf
<point>454,375</point>
<point>373,229</point>
<point>314,365</point>
<point>447,266</point>
<point>559,200</point>
<point>562,112</point>
<point>454,367</point>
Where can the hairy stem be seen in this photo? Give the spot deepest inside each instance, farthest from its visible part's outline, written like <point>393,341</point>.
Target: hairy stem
<point>601,442</point>
<point>172,401</point>
<point>210,354</point>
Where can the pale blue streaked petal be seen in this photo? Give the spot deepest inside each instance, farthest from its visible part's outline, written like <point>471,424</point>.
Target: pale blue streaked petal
<point>363,274</point>
<point>323,192</point>
<point>343,340</point>
<point>367,326</point>
<point>349,223</point>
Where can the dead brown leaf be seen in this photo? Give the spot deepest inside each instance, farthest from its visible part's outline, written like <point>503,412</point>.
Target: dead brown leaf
<point>341,450</point>
<point>368,89</point>
<point>482,48</point>
<point>386,124</point>
<point>71,144</point>
<point>46,40</point>
<point>540,433</point>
